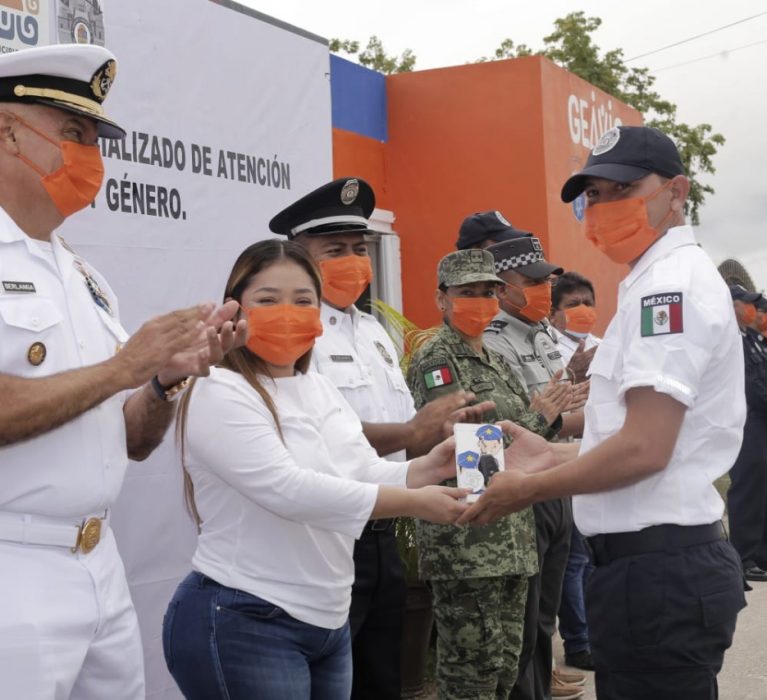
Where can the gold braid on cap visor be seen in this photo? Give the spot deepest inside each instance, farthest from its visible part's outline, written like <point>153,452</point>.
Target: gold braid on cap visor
<point>90,106</point>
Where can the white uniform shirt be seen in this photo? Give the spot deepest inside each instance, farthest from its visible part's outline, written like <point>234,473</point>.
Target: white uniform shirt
<point>279,519</point>
<point>78,468</point>
<point>674,331</point>
<point>358,356</point>
<point>567,346</point>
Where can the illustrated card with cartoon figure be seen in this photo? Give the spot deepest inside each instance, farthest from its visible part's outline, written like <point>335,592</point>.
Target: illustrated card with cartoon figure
<point>478,455</point>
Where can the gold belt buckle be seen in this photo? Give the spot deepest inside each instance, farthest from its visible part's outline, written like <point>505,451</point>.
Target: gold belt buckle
<point>88,536</point>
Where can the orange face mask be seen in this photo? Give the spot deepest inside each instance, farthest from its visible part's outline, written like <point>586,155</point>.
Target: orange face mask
<point>344,279</point>
<point>747,314</point>
<point>76,183</point>
<point>471,315</point>
<point>580,320</point>
<point>621,229</point>
<point>280,334</point>
<point>537,301</point>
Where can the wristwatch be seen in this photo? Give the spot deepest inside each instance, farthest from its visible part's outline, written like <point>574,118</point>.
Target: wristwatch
<point>169,393</point>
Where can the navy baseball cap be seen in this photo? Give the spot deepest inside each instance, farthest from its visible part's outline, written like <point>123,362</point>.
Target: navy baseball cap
<point>484,225</point>
<point>523,255</point>
<point>739,293</point>
<point>625,154</point>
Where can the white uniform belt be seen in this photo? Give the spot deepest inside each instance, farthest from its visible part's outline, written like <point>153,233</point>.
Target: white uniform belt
<point>43,530</point>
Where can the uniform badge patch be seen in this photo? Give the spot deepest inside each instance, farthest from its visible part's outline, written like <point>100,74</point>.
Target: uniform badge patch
<point>662,314</point>
<point>341,358</point>
<point>19,287</point>
<point>384,353</point>
<point>36,354</point>
<point>441,376</point>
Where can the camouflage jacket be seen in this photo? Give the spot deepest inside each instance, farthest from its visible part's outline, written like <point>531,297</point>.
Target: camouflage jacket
<point>507,547</point>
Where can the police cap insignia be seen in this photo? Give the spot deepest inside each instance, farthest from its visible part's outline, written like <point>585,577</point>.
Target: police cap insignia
<point>608,141</point>
<point>349,191</point>
<point>102,80</point>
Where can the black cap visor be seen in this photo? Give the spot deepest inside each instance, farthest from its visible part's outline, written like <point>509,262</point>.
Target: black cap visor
<point>617,172</point>
<point>538,270</point>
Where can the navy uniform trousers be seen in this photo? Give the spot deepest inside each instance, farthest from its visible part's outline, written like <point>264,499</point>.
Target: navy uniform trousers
<point>660,622</point>
<point>376,614</point>
<point>553,529</point>
<point>747,496</point>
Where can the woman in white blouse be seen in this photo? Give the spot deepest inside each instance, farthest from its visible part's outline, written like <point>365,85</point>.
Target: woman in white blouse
<point>282,481</point>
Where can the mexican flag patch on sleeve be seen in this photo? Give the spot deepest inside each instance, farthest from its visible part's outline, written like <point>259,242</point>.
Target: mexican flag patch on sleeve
<point>662,314</point>
<point>437,377</point>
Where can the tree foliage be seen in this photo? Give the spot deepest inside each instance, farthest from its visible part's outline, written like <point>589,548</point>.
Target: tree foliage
<point>374,55</point>
<point>571,45</point>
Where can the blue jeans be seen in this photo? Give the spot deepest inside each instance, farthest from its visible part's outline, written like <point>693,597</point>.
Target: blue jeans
<point>222,643</point>
<point>573,627</point>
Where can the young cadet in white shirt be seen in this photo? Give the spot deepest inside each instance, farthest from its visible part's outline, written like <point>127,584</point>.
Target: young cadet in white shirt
<point>68,420</point>
<point>357,355</point>
<point>664,420</point>
<point>573,314</point>
<point>283,481</point>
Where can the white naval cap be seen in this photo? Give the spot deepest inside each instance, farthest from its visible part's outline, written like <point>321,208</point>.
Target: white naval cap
<point>72,77</point>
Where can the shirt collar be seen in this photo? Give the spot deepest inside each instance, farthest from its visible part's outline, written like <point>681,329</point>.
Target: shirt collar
<point>9,230</point>
<point>676,237</point>
<point>329,315</point>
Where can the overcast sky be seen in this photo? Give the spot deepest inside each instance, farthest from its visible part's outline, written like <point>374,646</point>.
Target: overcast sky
<point>728,90</point>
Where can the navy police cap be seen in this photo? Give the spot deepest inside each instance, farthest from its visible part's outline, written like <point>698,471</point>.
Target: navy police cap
<point>523,255</point>
<point>740,293</point>
<point>486,225</point>
<point>72,77</point>
<point>341,206</point>
<point>625,154</point>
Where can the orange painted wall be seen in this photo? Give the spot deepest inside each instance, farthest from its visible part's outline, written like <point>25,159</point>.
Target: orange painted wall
<point>456,137</point>
<point>360,156</point>
<point>483,136</point>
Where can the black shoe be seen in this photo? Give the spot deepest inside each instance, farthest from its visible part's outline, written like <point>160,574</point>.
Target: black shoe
<point>755,573</point>
<point>581,659</point>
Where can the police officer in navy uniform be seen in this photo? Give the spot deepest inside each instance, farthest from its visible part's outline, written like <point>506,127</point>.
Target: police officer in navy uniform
<point>664,420</point>
<point>356,353</point>
<point>747,496</point>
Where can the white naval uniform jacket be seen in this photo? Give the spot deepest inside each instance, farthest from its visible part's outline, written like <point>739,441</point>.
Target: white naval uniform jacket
<point>358,356</point>
<point>674,331</point>
<point>76,469</point>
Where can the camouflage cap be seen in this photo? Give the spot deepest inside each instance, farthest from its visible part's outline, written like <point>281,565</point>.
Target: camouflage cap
<point>465,267</point>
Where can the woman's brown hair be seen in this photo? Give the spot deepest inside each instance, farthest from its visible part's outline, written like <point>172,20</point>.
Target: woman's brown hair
<point>251,261</point>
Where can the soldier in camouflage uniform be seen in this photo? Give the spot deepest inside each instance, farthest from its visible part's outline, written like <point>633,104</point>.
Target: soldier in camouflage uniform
<point>478,575</point>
